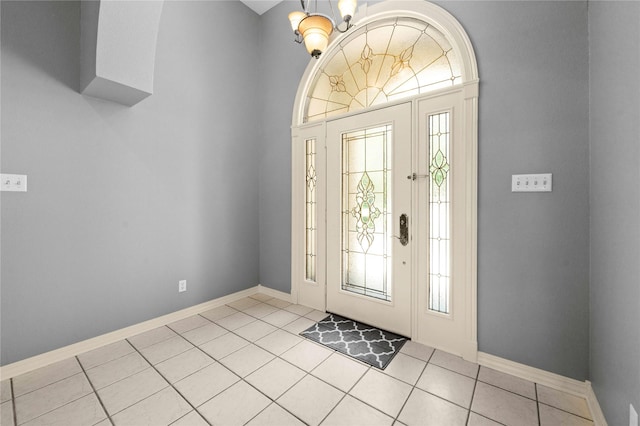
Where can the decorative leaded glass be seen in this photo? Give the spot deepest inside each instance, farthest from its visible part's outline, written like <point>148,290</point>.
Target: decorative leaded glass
<point>439,205</point>
<point>381,62</point>
<point>366,212</point>
<point>310,206</point>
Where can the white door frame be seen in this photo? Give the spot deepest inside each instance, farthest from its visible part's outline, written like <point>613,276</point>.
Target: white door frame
<point>313,293</point>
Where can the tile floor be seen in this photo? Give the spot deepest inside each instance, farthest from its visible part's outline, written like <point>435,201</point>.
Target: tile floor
<point>244,363</point>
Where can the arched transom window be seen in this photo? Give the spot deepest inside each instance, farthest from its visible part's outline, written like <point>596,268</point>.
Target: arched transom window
<point>381,62</point>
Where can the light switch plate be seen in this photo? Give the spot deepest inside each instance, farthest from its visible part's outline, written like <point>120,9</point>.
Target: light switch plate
<point>633,416</point>
<point>531,183</point>
<point>13,183</point>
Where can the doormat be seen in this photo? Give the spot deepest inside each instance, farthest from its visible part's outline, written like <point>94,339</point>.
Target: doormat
<point>360,341</point>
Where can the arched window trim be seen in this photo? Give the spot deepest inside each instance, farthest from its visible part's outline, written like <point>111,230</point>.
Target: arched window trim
<point>313,293</point>
<point>429,13</point>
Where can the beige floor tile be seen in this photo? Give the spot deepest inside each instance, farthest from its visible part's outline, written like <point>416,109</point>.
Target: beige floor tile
<point>550,416</point>
<point>340,371</point>
<point>193,418</point>
<point>105,354</point>
<point>180,366</point>
<point>166,349</point>
<point>406,368</point>
<point>298,325</point>
<point>507,382</point>
<point>243,303</point>
<point>316,315</point>
<point>417,350</point>
<point>161,408</point>
<point>235,321</point>
<point>260,310</point>
<point>447,384</point>
<point>118,369</point>
<point>44,376</point>
<point>307,355</point>
<point>278,303</point>
<point>381,391</point>
<point>48,398</point>
<point>189,323</point>
<point>246,360</point>
<point>310,399</point>
<point>255,330</point>
<point>300,310</point>
<point>105,422</point>
<point>218,313</point>
<point>555,398</point>
<point>151,337</point>
<point>84,411</point>
<point>206,383</point>
<point>351,411</point>
<point>274,415</point>
<point>261,297</point>
<point>478,420</point>
<point>424,409</point>
<point>280,318</point>
<point>5,390</point>
<point>6,414</point>
<point>278,342</point>
<point>275,378</point>
<point>454,363</point>
<point>235,406</point>
<point>204,334</point>
<point>133,389</point>
<point>224,345</point>
<point>503,406</point>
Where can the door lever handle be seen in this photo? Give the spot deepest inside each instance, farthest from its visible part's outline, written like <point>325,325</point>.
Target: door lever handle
<point>414,176</point>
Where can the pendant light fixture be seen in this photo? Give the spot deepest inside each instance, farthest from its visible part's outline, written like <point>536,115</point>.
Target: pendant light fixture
<point>315,28</point>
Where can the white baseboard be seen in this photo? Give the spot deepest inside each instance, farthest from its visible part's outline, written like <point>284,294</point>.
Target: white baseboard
<point>594,406</point>
<point>42,360</point>
<point>274,293</point>
<point>545,378</point>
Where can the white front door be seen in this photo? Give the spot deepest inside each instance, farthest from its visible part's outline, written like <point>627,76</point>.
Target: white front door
<point>368,204</point>
<point>394,243</point>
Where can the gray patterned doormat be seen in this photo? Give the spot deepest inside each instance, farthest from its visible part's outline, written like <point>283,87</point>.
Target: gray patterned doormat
<point>360,341</point>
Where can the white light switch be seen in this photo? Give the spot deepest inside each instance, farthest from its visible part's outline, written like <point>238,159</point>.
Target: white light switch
<point>633,416</point>
<point>15,183</point>
<point>531,183</point>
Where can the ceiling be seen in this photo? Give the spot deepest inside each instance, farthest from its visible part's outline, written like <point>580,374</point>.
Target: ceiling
<point>261,6</point>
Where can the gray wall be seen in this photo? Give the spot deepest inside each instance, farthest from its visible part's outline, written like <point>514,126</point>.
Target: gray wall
<point>124,202</point>
<point>282,63</point>
<point>533,248</point>
<point>614,37</point>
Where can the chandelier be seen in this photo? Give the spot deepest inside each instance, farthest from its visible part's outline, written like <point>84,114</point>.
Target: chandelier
<point>315,28</point>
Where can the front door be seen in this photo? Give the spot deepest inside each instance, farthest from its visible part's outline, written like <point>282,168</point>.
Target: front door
<point>369,256</point>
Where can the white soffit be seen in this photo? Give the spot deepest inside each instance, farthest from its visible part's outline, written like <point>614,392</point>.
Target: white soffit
<point>261,6</point>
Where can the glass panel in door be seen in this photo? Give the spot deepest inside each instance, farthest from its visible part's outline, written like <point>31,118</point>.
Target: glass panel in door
<point>368,268</point>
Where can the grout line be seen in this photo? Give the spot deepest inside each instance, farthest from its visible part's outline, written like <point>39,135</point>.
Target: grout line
<point>473,394</point>
<point>13,403</point>
<point>537,403</point>
<point>95,392</point>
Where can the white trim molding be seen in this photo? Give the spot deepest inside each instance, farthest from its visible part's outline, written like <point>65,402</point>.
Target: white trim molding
<point>24,366</point>
<point>545,378</point>
<point>314,293</point>
<point>594,406</point>
<point>274,293</point>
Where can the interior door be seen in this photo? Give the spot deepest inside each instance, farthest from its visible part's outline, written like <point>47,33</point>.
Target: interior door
<point>368,206</point>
